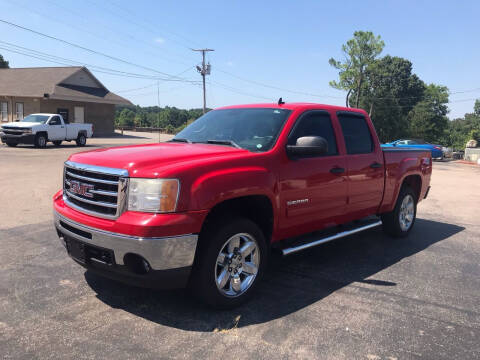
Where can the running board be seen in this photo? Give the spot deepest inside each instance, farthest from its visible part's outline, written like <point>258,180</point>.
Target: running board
<point>294,249</point>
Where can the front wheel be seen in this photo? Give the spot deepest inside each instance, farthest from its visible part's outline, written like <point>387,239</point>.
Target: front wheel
<point>41,141</point>
<point>81,140</point>
<point>231,261</point>
<point>399,222</point>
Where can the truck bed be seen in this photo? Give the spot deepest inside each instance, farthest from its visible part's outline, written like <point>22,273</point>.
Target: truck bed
<point>400,163</point>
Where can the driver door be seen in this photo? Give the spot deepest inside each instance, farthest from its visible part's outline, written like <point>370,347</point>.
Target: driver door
<point>313,190</point>
<point>56,130</point>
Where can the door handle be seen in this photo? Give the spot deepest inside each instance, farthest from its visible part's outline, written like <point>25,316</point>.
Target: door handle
<point>376,165</point>
<point>62,127</point>
<point>337,170</point>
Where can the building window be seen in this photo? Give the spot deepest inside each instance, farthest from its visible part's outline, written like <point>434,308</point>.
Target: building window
<point>19,111</point>
<point>4,111</point>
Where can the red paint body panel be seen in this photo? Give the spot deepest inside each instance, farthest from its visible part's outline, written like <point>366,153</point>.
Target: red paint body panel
<point>210,174</point>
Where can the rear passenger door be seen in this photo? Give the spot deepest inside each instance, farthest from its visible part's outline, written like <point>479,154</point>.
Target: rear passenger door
<point>312,194</point>
<point>365,169</point>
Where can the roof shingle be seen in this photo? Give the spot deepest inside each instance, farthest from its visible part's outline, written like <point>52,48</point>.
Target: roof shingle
<point>35,82</point>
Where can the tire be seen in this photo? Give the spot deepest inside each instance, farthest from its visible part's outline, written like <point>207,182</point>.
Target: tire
<point>81,140</point>
<point>57,142</point>
<point>399,222</point>
<point>41,141</point>
<point>217,262</point>
<point>11,144</point>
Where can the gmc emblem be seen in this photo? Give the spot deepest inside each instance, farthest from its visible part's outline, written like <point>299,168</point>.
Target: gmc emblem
<point>80,188</point>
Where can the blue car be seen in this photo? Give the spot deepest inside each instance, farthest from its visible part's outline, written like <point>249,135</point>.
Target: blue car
<point>437,152</point>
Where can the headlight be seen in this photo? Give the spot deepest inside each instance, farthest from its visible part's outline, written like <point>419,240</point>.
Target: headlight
<point>153,195</point>
<point>27,131</point>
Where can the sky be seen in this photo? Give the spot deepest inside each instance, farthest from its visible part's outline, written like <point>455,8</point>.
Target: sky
<point>263,49</point>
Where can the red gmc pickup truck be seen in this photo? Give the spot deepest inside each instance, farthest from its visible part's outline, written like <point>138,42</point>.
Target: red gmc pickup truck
<point>205,209</point>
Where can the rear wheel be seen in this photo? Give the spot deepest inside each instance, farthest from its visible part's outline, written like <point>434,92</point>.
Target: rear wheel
<point>230,263</point>
<point>81,140</point>
<point>11,144</point>
<point>41,140</point>
<point>400,221</point>
<point>57,142</point>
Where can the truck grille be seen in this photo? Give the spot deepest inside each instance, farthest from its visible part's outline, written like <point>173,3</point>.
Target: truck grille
<point>95,190</point>
<point>13,131</point>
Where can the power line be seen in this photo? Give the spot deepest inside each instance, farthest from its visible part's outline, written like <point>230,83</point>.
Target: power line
<point>279,88</point>
<point>84,48</point>
<point>155,84</point>
<point>68,62</point>
<point>237,91</point>
<point>129,12</point>
<point>84,29</point>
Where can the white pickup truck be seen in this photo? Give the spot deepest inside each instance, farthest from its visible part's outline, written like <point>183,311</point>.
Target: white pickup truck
<point>38,129</point>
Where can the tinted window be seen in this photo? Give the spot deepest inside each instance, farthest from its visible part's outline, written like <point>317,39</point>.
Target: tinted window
<point>356,133</point>
<point>55,121</point>
<point>254,129</point>
<point>315,124</point>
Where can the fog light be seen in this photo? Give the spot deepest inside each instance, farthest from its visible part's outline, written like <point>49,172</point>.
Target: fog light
<point>136,264</point>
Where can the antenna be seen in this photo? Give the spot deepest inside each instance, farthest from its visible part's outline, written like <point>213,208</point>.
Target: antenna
<point>280,101</point>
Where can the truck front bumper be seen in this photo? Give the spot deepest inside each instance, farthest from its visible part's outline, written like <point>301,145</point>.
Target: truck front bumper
<point>17,139</point>
<point>161,262</point>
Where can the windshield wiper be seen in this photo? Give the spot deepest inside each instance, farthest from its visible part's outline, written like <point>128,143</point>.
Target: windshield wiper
<point>181,140</point>
<point>224,142</point>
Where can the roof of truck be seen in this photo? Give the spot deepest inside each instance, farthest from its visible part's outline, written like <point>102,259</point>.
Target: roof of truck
<point>295,106</point>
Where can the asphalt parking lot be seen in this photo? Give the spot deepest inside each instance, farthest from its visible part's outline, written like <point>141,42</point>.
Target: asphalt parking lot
<point>362,297</point>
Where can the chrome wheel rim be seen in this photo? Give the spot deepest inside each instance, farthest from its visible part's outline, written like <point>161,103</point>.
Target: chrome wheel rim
<point>82,140</point>
<point>237,265</point>
<point>41,141</point>
<point>407,212</point>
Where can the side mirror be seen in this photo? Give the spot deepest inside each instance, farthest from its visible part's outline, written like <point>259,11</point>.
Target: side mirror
<point>308,146</point>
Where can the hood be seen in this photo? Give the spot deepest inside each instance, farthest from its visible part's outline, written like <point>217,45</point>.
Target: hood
<point>20,125</point>
<point>153,160</point>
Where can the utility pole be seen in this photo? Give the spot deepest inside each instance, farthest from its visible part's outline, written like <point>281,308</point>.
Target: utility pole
<point>204,70</point>
<point>158,101</point>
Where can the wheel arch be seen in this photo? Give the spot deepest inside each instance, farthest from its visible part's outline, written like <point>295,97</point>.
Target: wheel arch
<point>414,182</point>
<point>257,208</point>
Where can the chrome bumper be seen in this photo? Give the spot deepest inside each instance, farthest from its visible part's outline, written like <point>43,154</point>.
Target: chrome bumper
<point>161,253</point>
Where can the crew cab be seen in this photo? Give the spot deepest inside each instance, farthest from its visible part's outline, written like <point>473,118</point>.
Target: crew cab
<point>38,129</point>
<point>206,209</point>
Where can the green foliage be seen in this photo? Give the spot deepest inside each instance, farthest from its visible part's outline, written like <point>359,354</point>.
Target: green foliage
<point>428,119</point>
<point>389,92</point>
<point>125,118</point>
<point>475,134</point>
<point>3,63</point>
<point>476,107</point>
<point>359,53</point>
<point>169,118</point>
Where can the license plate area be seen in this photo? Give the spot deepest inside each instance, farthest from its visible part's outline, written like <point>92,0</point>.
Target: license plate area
<point>86,253</point>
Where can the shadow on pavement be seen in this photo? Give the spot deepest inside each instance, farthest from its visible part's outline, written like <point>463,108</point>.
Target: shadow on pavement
<point>120,136</point>
<point>290,284</point>
<point>51,146</point>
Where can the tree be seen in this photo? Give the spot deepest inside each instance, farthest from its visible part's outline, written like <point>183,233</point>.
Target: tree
<point>428,118</point>
<point>126,118</point>
<point>3,63</point>
<point>359,52</point>
<point>476,107</point>
<point>389,92</point>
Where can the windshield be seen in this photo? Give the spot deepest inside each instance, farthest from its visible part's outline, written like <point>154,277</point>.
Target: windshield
<point>254,129</point>
<point>35,118</point>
